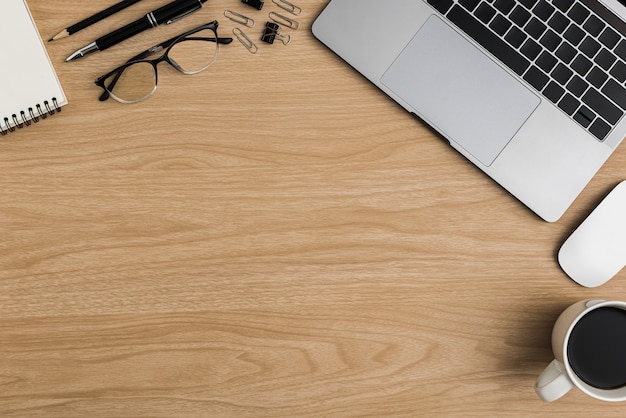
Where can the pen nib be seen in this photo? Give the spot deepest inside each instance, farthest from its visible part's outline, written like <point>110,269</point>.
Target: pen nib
<point>75,55</point>
<point>83,51</point>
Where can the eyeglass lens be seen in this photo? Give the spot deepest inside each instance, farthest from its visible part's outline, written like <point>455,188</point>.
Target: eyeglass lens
<point>189,55</point>
<point>194,53</point>
<point>133,83</point>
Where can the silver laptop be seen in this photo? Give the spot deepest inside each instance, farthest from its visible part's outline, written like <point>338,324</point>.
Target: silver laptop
<point>530,91</point>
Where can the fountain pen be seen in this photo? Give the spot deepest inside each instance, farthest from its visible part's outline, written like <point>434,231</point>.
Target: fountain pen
<point>167,14</point>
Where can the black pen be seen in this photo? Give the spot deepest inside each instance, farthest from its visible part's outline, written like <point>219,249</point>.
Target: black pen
<point>167,14</point>
<point>93,19</point>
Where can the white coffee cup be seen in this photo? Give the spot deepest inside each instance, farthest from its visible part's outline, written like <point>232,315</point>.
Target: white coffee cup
<point>559,377</point>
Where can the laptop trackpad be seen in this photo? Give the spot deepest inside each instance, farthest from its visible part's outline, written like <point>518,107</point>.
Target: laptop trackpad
<point>460,91</point>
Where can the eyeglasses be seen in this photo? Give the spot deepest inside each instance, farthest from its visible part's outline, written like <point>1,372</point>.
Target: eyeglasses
<point>190,53</point>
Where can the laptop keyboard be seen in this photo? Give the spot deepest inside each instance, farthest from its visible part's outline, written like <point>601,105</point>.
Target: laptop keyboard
<point>560,47</point>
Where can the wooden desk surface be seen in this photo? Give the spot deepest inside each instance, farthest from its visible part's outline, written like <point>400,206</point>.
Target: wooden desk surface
<point>272,237</point>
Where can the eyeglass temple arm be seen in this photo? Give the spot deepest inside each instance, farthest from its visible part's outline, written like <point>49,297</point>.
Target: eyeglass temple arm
<point>145,54</point>
<point>224,41</point>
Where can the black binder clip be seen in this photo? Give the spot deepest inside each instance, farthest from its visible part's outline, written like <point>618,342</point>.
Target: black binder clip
<point>257,4</point>
<point>273,32</point>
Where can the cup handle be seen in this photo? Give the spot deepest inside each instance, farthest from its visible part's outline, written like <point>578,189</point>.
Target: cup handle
<point>553,382</point>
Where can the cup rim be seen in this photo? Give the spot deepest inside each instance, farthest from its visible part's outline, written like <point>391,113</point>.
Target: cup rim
<point>610,395</point>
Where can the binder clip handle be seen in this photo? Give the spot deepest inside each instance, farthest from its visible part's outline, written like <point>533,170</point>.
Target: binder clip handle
<point>273,32</point>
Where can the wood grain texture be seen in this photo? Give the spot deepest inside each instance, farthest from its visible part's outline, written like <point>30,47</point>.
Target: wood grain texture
<point>272,237</point>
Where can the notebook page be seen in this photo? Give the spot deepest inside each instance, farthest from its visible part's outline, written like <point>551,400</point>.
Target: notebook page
<point>27,77</point>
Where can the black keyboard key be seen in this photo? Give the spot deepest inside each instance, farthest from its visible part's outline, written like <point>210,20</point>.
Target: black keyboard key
<point>536,78</point>
<point>535,28</point>
<point>515,37</point>
<point>546,62</point>
<point>578,13</point>
<point>590,47</point>
<point>566,52</point>
<point>569,104</point>
<point>520,16</point>
<point>550,40</point>
<point>504,6</point>
<point>615,92</point>
<point>559,22</point>
<point>500,25</point>
<point>554,92</point>
<point>609,38</point>
<point>602,106</point>
<point>581,65</point>
<point>596,77</point>
<point>577,86</point>
<point>562,74</point>
<point>620,50</point>
<point>600,129</point>
<point>528,3</point>
<point>594,25</point>
<point>584,116</point>
<point>619,71</point>
<point>531,49</point>
<point>562,5</point>
<point>574,34</point>
<point>442,6</point>
<point>483,36</point>
<point>469,4</point>
<point>543,10</point>
<point>485,12</point>
<point>587,113</point>
<point>605,59</point>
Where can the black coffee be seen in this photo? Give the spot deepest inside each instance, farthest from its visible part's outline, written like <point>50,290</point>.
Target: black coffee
<point>597,348</point>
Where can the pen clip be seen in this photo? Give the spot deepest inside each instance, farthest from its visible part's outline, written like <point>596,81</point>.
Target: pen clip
<point>184,15</point>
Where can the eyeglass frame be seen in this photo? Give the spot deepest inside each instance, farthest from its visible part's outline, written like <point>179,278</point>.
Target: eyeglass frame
<point>167,46</point>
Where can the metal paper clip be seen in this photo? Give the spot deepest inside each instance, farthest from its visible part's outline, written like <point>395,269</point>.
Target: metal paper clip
<point>284,20</point>
<point>290,7</point>
<point>245,41</point>
<point>239,18</point>
<point>272,32</point>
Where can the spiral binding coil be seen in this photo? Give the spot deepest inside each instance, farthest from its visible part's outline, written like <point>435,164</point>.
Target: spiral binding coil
<point>18,121</point>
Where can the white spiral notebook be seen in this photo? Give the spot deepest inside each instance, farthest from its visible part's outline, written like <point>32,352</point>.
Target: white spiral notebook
<point>30,90</point>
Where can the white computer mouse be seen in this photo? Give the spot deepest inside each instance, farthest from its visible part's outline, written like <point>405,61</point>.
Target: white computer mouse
<point>596,251</point>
